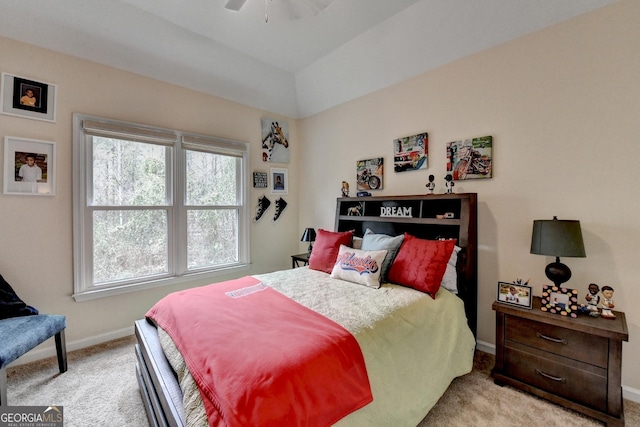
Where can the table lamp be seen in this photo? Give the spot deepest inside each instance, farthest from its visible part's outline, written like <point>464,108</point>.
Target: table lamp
<point>557,238</point>
<point>309,235</point>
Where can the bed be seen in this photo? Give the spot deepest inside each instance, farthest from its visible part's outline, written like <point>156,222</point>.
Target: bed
<point>413,344</point>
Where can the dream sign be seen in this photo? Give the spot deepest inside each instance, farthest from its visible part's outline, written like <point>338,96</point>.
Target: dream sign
<point>395,211</point>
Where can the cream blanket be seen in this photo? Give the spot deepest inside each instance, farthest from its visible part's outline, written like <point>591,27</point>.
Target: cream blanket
<point>413,345</point>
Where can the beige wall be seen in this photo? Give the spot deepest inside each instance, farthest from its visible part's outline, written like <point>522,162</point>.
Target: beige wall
<point>36,232</point>
<point>563,108</point>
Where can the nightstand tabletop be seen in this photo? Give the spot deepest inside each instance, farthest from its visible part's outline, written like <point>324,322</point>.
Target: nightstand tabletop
<point>609,328</point>
<point>296,260</point>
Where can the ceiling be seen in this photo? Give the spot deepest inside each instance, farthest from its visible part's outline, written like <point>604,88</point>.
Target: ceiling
<point>301,62</point>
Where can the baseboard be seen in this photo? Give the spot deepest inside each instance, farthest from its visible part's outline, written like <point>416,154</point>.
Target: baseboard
<point>48,348</point>
<point>486,347</point>
<point>630,393</point>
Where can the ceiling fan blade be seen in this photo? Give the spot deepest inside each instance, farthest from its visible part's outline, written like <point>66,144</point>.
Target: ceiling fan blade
<point>234,4</point>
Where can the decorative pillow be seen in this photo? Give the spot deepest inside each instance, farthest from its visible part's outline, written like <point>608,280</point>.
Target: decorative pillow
<point>420,263</point>
<point>357,242</point>
<point>10,303</point>
<point>450,278</point>
<point>326,247</point>
<point>359,266</point>
<point>376,242</point>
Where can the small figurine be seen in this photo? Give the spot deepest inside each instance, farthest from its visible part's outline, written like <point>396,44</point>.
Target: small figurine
<point>593,299</point>
<point>607,304</point>
<point>449,183</point>
<point>345,189</point>
<point>431,185</point>
<point>355,210</point>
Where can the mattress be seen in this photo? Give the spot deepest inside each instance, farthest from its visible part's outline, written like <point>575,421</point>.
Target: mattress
<point>413,345</point>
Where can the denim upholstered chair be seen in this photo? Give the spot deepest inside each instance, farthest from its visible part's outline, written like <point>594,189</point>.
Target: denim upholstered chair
<point>18,335</point>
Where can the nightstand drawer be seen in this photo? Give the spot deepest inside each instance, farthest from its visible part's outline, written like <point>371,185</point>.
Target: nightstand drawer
<point>576,381</point>
<point>564,342</point>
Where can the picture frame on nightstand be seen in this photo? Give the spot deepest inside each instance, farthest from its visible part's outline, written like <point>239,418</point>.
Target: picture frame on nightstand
<point>515,294</point>
<point>559,300</point>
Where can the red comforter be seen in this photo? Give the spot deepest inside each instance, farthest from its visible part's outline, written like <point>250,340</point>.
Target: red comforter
<point>261,359</point>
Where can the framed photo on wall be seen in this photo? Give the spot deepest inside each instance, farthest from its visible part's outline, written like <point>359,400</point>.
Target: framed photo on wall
<point>369,174</point>
<point>411,152</point>
<point>29,167</point>
<point>470,158</point>
<point>28,98</point>
<point>260,180</point>
<point>275,141</point>
<point>279,181</point>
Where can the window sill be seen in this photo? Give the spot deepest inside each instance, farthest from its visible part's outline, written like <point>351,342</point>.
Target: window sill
<point>125,289</point>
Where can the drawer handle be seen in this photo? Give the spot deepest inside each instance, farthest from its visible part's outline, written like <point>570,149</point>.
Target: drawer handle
<point>556,340</point>
<point>551,377</point>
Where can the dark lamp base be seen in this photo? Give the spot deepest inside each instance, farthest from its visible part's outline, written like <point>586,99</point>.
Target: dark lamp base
<point>558,273</point>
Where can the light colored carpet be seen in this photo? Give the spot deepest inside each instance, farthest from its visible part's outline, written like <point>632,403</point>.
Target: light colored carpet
<point>100,389</point>
<point>474,400</point>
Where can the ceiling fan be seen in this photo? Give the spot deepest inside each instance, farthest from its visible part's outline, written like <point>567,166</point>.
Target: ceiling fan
<point>235,4</point>
<point>291,9</point>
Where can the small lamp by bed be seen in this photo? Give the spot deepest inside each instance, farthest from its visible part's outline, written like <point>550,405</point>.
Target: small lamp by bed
<point>557,238</point>
<point>309,235</point>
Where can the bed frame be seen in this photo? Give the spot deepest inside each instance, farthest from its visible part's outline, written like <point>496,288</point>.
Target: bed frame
<point>424,216</point>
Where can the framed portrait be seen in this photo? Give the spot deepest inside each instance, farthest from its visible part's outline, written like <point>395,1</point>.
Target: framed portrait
<point>411,153</point>
<point>28,98</point>
<point>29,167</point>
<point>515,294</point>
<point>470,158</point>
<point>279,181</point>
<point>275,141</point>
<point>369,174</point>
<point>558,300</point>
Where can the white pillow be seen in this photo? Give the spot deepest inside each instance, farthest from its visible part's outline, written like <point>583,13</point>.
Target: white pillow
<point>358,266</point>
<point>450,278</point>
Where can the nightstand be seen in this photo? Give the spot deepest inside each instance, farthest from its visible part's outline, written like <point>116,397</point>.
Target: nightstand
<point>300,260</point>
<point>575,363</point>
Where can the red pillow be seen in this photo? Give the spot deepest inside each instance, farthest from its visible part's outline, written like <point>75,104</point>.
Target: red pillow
<point>420,263</point>
<point>326,247</point>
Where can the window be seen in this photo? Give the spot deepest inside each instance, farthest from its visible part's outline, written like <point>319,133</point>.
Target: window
<point>153,206</point>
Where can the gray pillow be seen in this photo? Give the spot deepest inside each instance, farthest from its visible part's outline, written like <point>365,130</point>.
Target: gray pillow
<point>377,242</point>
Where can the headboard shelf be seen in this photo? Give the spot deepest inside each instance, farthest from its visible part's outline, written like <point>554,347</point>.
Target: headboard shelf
<point>434,221</point>
<point>422,216</point>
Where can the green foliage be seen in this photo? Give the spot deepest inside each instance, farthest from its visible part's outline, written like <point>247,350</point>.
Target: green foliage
<point>132,216</point>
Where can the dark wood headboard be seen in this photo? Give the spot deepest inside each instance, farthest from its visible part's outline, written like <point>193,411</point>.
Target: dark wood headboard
<point>434,216</point>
